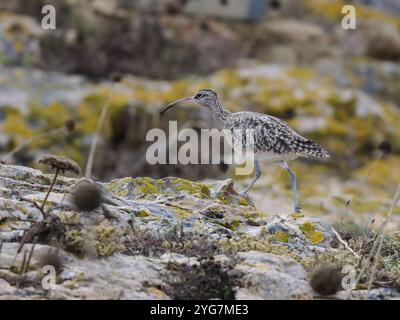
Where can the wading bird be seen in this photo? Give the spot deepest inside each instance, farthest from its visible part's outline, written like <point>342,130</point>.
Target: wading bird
<point>273,139</point>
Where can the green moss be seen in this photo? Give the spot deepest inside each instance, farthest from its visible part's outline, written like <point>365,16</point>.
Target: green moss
<point>308,228</point>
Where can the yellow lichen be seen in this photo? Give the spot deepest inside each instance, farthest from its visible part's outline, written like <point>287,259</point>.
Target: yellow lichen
<point>181,212</point>
<point>297,215</point>
<point>146,185</point>
<point>191,187</point>
<point>143,213</point>
<point>243,201</point>
<point>75,241</point>
<point>232,224</point>
<point>119,186</point>
<point>308,228</point>
<point>281,236</point>
<point>159,294</point>
<point>263,244</point>
<point>107,240</point>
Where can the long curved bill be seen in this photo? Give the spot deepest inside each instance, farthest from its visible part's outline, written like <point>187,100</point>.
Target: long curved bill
<point>173,104</point>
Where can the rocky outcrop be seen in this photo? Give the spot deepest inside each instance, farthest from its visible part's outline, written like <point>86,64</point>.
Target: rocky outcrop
<point>212,207</point>
<point>272,277</point>
<point>99,259</point>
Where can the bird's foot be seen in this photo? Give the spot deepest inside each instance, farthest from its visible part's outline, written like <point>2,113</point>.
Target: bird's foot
<point>246,196</point>
<point>297,209</point>
<point>243,194</point>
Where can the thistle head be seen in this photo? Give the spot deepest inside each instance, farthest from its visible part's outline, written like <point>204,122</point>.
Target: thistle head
<point>86,196</point>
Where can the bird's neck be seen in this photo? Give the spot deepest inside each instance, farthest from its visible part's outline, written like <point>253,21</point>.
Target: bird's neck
<point>219,113</point>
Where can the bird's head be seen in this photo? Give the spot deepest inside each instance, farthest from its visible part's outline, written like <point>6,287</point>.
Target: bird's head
<point>203,97</point>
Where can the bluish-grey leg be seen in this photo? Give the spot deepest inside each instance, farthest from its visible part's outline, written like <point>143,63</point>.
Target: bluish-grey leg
<point>294,186</point>
<point>255,178</point>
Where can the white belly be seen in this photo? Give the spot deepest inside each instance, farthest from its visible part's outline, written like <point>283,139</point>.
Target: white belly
<point>270,156</point>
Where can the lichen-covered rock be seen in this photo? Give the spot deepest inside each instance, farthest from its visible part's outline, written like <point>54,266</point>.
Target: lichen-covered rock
<point>95,243</point>
<point>299,226</point>
<point>374,294</point>
<point>150,203</point>
<point>117,277</point>
<point>143,222</point>
<point>272,277</point>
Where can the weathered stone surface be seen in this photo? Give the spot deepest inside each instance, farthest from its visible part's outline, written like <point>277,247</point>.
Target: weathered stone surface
<point>272,277</point>
<point>374,294</point>
<point>115,277</point>
<point>95,268</point>
<point>214,207</point>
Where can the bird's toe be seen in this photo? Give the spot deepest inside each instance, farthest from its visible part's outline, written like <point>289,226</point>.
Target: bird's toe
<point>247,197</point>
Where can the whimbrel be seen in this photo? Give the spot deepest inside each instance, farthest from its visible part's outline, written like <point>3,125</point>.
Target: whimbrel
<point>274,140</point>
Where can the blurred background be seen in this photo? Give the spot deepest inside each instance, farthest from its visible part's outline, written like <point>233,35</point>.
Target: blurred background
<point>288,58</point>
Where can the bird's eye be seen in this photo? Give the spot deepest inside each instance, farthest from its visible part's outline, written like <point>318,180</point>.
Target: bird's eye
<point>199,95</point>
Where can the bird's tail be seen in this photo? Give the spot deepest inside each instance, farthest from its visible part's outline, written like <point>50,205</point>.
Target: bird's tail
<point>310,148</point>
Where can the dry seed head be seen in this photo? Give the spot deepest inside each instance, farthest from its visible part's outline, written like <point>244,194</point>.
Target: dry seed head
<point>385,146</point>
<point>70,125</point>
<point>326,279</point>
<point>116,77</point>
<point>86,196</point>
<point>60,163</point>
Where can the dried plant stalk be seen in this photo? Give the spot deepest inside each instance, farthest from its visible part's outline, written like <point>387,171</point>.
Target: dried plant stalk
<point>346,245</point>
<point>22,268</point>
<point>50,189</point>
<point>89,165</point>
<point>379,239</point>
<point>377,246</point>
